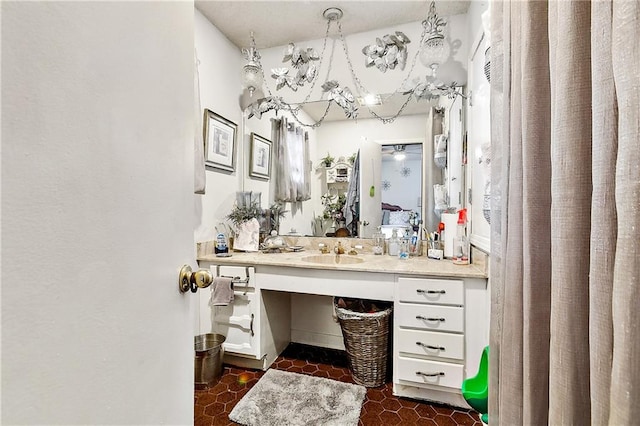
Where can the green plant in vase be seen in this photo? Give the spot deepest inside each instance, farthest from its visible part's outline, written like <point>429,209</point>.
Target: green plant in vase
<point>247,228</point>
<point>328,160</point>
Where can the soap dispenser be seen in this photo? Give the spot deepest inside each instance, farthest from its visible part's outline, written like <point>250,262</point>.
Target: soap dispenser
<point>461,242</point>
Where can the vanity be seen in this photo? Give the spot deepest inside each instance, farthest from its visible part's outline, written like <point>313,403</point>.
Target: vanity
<point>441,310</point>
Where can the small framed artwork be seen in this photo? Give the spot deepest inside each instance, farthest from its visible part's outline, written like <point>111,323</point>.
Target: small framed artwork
<point>260,158</point>
<point>219,141</point>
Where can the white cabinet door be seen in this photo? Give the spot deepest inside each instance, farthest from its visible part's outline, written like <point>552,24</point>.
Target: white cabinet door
<point>239,321</point>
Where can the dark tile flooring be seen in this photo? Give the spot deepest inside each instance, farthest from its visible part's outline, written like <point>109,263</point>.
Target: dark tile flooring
<point>212,406</point>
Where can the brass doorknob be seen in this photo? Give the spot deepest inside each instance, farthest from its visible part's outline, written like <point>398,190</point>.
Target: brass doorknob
<point>189,280</point>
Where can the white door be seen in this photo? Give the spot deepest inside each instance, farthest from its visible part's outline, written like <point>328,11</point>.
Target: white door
<point>370,199</point>
<point>97,212</point>
<point>479,145</point>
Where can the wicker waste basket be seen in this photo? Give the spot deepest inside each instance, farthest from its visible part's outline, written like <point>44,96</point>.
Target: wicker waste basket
<point>366,339</point>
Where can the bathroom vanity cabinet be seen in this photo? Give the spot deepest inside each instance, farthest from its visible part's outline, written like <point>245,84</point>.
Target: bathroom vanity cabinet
<point>440,323</point>
<point>440,329</point>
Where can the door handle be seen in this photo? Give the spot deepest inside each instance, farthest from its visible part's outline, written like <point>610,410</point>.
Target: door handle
<point>423,318</point>
<point>435,348</point>
<point>189,280</point>
<point>421,291</point>
<point>438,374</point>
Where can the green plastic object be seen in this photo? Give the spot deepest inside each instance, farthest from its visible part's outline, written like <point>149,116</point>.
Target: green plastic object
<point>475,390</point>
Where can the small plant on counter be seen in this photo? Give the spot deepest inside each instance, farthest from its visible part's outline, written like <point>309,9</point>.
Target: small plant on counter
<point>277,212</point>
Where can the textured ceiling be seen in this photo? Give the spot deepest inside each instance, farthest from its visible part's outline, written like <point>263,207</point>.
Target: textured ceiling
<point>276,23</point>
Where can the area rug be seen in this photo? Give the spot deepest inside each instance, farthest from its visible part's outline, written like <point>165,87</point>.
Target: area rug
<point>284,398</point>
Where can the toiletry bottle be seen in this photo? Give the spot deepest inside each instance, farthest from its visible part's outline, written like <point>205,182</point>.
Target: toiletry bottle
<point>403,247</point>
<point>414,246</point>
<point>378,241</point>
<point>394,243</point>
<point>221,244</point>
<point>461,242</point>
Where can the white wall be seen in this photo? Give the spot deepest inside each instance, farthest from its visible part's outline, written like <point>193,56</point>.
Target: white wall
<point>97,165</point>
<point>220,91</point>
<point>220,88</point>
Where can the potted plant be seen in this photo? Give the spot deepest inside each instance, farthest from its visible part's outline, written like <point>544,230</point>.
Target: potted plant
<point>277,212</point>
<point>247,228</point>
<point>327,161</point>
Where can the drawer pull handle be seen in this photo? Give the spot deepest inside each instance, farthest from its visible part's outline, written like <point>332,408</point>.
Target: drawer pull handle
<point>438,374</point>
<point>420,317</point>
<point>251,325</point>
<point>436,348</point>
<point>421,291</point>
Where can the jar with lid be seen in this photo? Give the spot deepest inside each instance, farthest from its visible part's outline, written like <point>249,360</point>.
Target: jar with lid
<point>394,243</point>
<point>378,241</point>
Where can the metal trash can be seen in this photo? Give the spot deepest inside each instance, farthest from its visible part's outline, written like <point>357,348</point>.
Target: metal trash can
<point>208,359</point>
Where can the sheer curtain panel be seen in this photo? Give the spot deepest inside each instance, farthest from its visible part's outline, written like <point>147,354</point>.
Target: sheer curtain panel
<point>565,261</point>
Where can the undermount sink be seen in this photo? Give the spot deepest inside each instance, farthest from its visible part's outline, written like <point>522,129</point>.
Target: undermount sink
<point>332,259</point>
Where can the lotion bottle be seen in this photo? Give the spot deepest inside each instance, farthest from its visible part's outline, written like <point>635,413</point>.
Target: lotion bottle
<point>461,242</point>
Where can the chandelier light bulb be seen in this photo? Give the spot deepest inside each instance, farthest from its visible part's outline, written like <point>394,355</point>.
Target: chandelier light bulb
<point>434,51</point>
<point>251,78</point>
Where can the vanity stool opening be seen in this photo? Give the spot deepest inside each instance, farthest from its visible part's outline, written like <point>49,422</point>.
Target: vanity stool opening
<point>365,331</point>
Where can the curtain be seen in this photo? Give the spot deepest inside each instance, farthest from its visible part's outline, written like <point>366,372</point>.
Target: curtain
<point>352,199</point>
<point>292,169</point>
<point>565,260</point>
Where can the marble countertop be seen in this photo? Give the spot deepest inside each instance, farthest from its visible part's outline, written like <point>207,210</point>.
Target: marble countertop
<point>419,265</point>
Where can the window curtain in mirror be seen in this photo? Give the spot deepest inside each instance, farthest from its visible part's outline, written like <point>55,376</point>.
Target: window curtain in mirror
<point>352,198</point>
<point>292,170</point>
<point>565,260</point>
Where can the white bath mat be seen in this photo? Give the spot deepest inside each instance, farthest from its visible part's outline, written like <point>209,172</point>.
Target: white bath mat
<point>283,398</point>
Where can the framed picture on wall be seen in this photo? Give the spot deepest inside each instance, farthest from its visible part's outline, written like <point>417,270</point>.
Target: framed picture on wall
<point>260,158</point>
<point>219,141</point>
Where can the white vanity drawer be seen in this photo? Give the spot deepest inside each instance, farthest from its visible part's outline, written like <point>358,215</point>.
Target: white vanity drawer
<point>430,317</point>
<point>427,290</point>
<point>429,343</point>
<point>430,372</point>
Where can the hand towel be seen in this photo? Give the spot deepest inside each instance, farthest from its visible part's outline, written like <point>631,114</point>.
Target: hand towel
<point>221,291</point>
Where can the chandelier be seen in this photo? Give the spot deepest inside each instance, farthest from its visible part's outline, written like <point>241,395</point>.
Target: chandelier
<point>388,53</point>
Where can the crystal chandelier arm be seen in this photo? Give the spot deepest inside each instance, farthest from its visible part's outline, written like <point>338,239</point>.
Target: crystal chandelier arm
<point>315,79</point>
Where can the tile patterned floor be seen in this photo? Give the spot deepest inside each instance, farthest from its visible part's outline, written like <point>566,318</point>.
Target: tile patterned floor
<point>212,406</point>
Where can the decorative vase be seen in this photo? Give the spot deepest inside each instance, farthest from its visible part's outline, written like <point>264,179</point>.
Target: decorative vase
<point>247,236</point>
